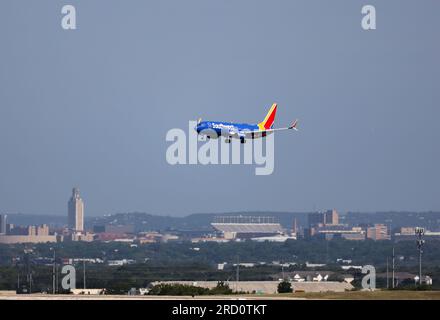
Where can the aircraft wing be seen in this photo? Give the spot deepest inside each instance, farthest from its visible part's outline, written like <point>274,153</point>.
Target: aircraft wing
<point>233,133</point>
<point>258,133</point>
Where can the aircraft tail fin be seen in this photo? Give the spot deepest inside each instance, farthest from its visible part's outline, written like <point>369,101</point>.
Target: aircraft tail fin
<point>267,123</point>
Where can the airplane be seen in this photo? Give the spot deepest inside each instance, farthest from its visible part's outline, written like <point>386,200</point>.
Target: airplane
<point>242,131</point>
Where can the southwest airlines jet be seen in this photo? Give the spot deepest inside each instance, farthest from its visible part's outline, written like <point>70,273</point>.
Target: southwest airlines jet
<point>242,131</point>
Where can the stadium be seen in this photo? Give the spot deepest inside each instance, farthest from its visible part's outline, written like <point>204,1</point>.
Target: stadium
<point>248,227</point>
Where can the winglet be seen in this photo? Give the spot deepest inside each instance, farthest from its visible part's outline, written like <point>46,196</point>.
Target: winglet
<point>293,125</point>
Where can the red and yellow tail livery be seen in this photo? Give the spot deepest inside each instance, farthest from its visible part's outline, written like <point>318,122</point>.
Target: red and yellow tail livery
<point>268,122</point>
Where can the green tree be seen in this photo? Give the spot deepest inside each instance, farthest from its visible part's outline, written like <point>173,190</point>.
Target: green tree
<point>221,288</point>
<point>284,287</point>
<point>177,290</point>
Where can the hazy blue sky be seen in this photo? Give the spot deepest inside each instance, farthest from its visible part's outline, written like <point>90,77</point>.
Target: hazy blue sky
<point>91,107</point>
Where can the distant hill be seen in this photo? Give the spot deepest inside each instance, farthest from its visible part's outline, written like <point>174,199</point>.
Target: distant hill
<point>36,219</point>
<point>201,221</point>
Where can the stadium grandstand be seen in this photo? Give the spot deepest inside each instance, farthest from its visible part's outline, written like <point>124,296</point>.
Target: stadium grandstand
<point>246,227</point>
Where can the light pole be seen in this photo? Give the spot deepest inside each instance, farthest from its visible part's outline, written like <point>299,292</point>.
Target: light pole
<point>53,271</point>
<point>282,270</point>
<point>84,272</point>
<point>237,276</point>
<point>393,281</point>
<point>420,242</point>
<point>388,278</point>
<point>30,282</point>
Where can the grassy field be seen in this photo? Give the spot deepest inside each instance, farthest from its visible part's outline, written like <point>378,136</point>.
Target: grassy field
<point>367,295</point>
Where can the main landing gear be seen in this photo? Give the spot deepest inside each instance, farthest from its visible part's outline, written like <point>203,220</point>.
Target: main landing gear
<point>229,140</point>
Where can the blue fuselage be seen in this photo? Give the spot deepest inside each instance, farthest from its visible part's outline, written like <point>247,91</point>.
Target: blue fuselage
<point>225,128</point>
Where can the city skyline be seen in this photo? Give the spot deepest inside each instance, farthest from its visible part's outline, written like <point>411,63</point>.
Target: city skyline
<point>220,158</point>
<point>77,111</point>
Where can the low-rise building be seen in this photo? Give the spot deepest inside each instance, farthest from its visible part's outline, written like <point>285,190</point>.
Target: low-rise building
<point>329,232</point>
<point>88,291</point>
<point>121,262</point>
<point>87,237</point>
<point>378,232</point>
<point>408,234</point>
<point>317,276</point>
<point>107,237</point>
<point>13,239</point>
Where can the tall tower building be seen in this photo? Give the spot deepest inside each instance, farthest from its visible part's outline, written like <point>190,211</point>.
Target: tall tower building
<point>75,212</point>
<point>331,217</point>
<point>2,224</point>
